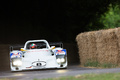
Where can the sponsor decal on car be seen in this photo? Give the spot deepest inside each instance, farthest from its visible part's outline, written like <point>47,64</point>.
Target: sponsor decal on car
<point>61,52</point>
<point>16,55</point>
<point>29,67</point>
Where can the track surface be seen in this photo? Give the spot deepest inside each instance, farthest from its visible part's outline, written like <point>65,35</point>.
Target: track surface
<point>40,74</point>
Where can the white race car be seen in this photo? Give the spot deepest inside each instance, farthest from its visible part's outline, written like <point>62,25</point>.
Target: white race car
<point>37,54</point>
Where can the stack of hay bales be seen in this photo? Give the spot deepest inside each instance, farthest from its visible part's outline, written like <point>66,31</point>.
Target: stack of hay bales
<point>117,31</point>
<point>102,46</point>
<point>83,47</point>
<point>91,46</point>
<point>107,48</point>
<point>87,47</point>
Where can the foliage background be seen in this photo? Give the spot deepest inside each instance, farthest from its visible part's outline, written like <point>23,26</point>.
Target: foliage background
<point>111,19</point>
<point>59,20</point>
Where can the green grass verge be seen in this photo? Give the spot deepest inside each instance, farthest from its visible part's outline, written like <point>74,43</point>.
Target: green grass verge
<point>7,79</point>
<point>107,76</point>
<point>90,63</point>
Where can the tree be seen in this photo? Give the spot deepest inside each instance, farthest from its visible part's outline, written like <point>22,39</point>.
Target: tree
<point>111,19</point>
<point>61,19</point>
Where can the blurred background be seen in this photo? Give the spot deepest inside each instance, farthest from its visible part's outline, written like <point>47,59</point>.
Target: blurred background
<point>59,20</point>
<point>53,20</point>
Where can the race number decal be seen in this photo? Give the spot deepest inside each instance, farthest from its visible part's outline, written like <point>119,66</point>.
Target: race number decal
<point>61,52</point>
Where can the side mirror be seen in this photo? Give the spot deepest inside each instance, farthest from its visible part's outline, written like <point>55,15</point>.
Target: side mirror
<point>11,48</point>
<point>52,47</point>
<point>22,49</point>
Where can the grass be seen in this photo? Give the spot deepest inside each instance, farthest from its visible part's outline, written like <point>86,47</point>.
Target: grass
<point>109,65</point>
<point>107,76</point>
<point>90,63</point>
<point>7,79</point>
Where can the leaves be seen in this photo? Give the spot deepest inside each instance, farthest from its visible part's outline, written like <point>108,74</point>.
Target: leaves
<point>111,19</point>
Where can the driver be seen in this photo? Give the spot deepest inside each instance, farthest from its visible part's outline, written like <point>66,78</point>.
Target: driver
<point>33,46</point>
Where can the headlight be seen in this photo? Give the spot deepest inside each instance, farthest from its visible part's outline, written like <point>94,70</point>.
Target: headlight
<point>60,60</point>
<point>17,62</point>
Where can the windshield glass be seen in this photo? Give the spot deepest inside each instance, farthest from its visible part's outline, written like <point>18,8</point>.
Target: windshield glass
<point>36,45</point>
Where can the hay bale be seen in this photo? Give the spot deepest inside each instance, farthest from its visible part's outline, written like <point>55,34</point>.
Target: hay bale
<point>102,46</point>
<point>91,46</point>
<point>87,47</point>
<point>117,31</point>
<point>82,46</point>
<point>107,49</point>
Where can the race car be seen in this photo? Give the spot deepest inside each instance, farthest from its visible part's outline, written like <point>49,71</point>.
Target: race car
<point>38,54</point>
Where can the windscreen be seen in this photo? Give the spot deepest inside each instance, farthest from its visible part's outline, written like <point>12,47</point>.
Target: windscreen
<point>36,45</point>
<point>56,44</point>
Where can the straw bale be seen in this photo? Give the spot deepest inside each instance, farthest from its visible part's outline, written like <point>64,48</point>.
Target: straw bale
<point>117,31</point>
<point>87,46</point>
<point>91,46</point>
<point>82,45</point>
<point>106,42</point>
<point>102,46</point>
<point>99,45</point>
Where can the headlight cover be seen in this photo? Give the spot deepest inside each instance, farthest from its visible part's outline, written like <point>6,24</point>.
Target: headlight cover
<point>16,62</point>
<point>60,60</point>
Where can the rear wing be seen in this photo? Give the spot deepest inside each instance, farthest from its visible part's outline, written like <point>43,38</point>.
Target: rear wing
<point>16,47</point>
<point>56,44</point>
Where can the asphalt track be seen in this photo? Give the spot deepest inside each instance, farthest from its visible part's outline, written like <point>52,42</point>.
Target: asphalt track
<point>72,70</point>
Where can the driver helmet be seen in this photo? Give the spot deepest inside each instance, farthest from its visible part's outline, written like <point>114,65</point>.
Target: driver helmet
<point>32,46</point>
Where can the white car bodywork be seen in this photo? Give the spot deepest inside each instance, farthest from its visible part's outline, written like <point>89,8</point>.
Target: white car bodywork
<point>39,58</point>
